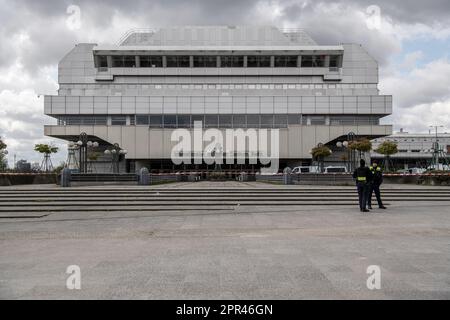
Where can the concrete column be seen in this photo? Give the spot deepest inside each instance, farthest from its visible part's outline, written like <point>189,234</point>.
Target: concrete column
<point>164,61</point>
<point>109,61</point>
<point>191,61</point>
<point>299,61</point>
<point>327,61</point>
<point>138,61</point>
<point>272,61</point>
<point>245,61</point>
<point>218,61</point>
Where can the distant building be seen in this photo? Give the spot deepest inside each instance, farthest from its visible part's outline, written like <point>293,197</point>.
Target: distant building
<point>23,166</point>
<point>414,149</point>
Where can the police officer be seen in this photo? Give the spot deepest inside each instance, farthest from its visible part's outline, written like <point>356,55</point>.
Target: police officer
<point>374,186</point>
<point>362,176</point>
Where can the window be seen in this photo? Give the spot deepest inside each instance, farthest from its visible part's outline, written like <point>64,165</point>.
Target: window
<point>102,62</point>
<point>205,61</point>
<point>151,61</point>
<point>211,121</point>
<point>123,61</point>
<point>317,120</point>
<point>280,120</point>
<point>225,121</point>
<point>239,121</point>
<point>129,61</point>
<point>178,61</point>
<point>170,121</point>
<point>252,121</point>
<point>231,61</point>
<point>286,61</point>
<point>313,61</point>
<point>294,119</point>
<point>184,121</point>
<point>334,62</point>
<point>258,61</point>
<point>156,121</point>
<point>117,61</point>
<point>266,121</point>
<point>118,120</point>
<point>142,119</point>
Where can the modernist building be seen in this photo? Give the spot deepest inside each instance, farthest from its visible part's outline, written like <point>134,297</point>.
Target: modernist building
<point>415,150</point>
<point>137,92</point>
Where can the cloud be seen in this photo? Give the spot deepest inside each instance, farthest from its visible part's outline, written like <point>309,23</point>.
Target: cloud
<point>421,96</point>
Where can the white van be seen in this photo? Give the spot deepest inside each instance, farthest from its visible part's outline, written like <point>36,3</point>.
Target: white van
<point>336,169</point>
<point>305,169</point>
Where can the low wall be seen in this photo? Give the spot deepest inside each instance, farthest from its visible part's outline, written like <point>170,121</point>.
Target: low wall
<point>12,179</point>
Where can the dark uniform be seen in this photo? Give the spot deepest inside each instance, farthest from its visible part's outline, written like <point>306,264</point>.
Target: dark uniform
<point>377,180</point>
<point>363,177</point>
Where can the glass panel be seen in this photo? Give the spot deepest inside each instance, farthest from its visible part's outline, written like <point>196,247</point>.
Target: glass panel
<point>177,61</point>
<point>170,121</point>
<point>252,121</point>
<point>142,119</point>
<point>231,61</point>
<point>129,61</point>
<point>118,120</point>
<point>184,121</point>
<point>205,61</point>
<point>319,61</point>
<point>294,119</point>
<point>102,61</point>
<point>151,61</point>
<point>156,121</point>
<point>334,61</point>
<point>286,61</point>
<point>280,121</point>
<point>317,120</point>
<point>307,61</point>
<point>117,61</point>
<point>211,121</point>
<point>258,61</point>
<point>239,121</point>
<point>225,121</point>
<point>266,121</point>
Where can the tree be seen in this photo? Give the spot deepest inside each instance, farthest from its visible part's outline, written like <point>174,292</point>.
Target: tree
<point>320,152</point>
<point>387,148</point>
<point>3,153</point>
<point>47,150</point>
<point>361,145</point>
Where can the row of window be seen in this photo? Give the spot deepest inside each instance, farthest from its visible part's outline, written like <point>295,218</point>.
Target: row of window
<point>246,86</point>
<point>222,61</point>
<point>220,120</point>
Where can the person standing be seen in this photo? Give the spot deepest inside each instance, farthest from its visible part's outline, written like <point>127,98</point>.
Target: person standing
<point>362,176</point>
<point>374,186</point>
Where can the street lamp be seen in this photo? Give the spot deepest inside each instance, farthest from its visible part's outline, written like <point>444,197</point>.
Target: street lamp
<point>115,151</point>
<point>351,155</point>
<point>82,144</point>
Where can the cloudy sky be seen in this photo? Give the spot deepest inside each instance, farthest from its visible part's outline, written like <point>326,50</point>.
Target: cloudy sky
<point>411,44</point>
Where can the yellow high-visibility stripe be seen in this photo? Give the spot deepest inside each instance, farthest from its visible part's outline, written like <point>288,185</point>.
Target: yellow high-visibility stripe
<point>361,178</point>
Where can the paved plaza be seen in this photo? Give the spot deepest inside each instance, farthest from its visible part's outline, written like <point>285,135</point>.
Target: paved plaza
<point>316,251</point>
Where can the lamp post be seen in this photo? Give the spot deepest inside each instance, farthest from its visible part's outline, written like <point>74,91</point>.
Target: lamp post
<point>351,155</point>
<point>83,143</point>
<point>115,151</point>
